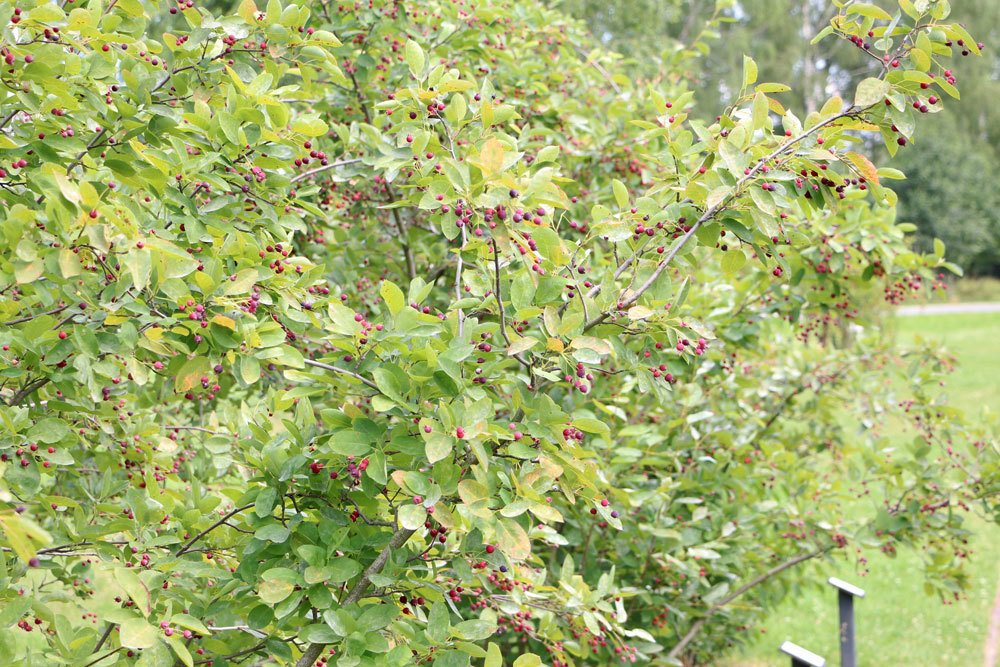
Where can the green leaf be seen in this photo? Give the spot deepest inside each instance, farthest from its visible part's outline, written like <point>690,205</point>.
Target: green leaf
<point>311,125</point>
<point>135,588</point>
<point>733,260</point>
<point>49,430</point>
<point>870,91</point>
<point>438,446</point>
<point>273,592</point>
<point>869,10</point>
<point>749,71</point>
<point>274,532</point>
<point>318,633</point>
<point>266,499</point>
<point>588,425</point>
<point>475,629</point>
<point>137,633</point>
<point>190,622</point>
<point>938,248</point>
<point>621,193</point>
<point>392,296</point>
<point>350,443</point>
<point>438,622</point>
<point>376,617</point>
<point>414,56</point>
<point>412,516</point>
<point>342,569</point>
<point>493,656</point>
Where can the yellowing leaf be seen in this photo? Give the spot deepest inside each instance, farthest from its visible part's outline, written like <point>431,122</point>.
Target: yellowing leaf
<point>512,539</point>
<point>749,71</point>
<point>869,10</point>
<point>190,374</point>
<point>591,343</point>
<point>248,11</point>
<point>392,296</point>
<point>491,157</point>
<point>22,534</point>
<point>224,321</point>
<point>639,312</point>
<point>833,106</point>
<point>137,633</point>
<point>864,166</point>
<point>521,345</point>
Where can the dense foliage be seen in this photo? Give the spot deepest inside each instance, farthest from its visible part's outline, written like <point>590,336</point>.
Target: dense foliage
<point>940,194</point>
<point>389,333</point>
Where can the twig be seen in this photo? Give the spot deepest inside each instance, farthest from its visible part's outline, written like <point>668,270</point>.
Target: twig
<point>184,549</point>
<point>22,320</point>
<point>397,540</point>
<point>759,579</point>
<point>106,655</point>
<point>499,297</point>
<point>411,267</point>
<point>79,158</point>
<point>27,390</point>
<point>342,371</point>
<point>199,429</point>
<point>713,211</point>
<point>317,170</point>
<point>104,637</point>
<point>600,68</point>
<point>8,118</point>
<point>246,651</point>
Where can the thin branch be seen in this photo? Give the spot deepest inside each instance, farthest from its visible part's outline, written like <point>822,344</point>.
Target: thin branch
<point>756,581</point>
<point>325,167</point>
<point>22,320</point>
<point>8,118</point>
<point>79,158</point>
<point>600,68</point>
<point>341,371</point>
<point>499,297</point>
<point>104,637</point>
<point>246,651</point>
<point>411,267</point>
<point>200,430</point>
<point>715,210</point>
<point>27,390</point>
<point>397,540</point>
<point>184,549</point>
<point>106,655</point>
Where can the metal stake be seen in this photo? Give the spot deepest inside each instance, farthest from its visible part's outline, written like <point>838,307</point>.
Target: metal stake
<point>845,600</point>
<point>801,657</point>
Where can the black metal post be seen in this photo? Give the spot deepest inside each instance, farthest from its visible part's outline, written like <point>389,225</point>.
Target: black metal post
<point>845,601</point>
<point>848,649</point>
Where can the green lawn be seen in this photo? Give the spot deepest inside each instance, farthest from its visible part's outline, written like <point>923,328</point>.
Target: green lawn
<point>898,624</point>
<point>963,290</point>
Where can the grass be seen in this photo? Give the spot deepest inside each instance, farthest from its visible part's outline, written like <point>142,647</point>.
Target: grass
<point>897,622</point>
<point>968,290</point>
